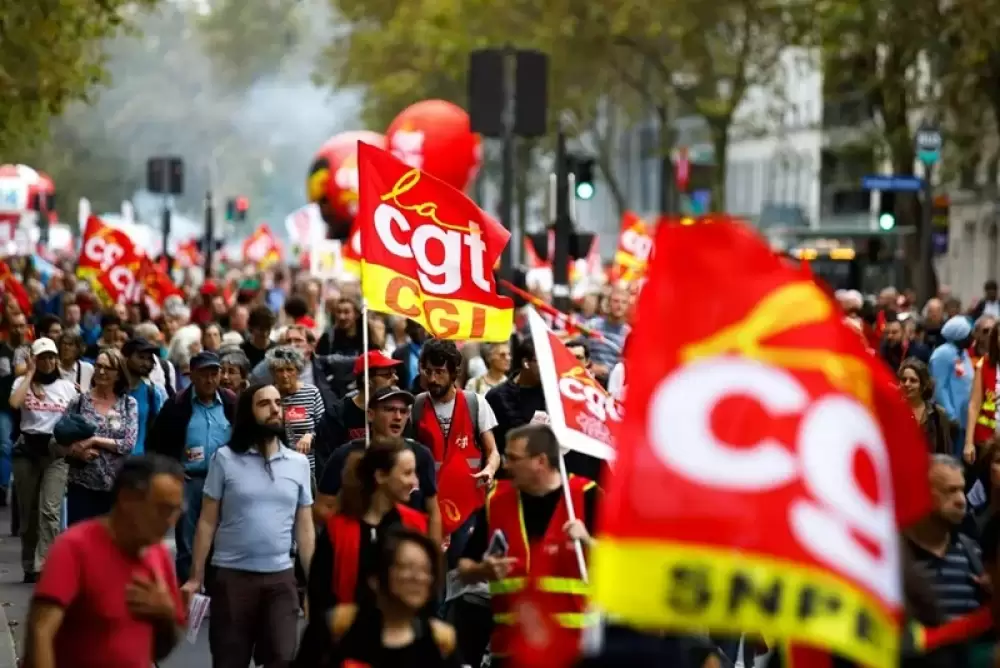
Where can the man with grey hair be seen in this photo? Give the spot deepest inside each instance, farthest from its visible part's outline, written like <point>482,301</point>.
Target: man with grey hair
<point>951,561</point>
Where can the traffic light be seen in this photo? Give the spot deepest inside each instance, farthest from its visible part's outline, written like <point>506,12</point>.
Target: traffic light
<point>236,209</point>
<point>887,211</point>
<point>584,173</point>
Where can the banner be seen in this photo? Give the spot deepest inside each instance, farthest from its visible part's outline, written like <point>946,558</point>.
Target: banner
<point>765,462</point>
<point>12,287</point>
<point>262,247</point>
<point>156,284</point>
<point>428,252</point>
<point>110,262</point>
<point>635,246</point>
<point>581,412</point>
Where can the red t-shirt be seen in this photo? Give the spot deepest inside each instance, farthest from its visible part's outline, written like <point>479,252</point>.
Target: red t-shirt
<point>86,574</point>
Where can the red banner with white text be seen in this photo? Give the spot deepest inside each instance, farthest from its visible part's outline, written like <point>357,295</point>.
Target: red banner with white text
<point>581,412</point>
<point>765,461</point>
<point>110,262</point>
<point>428,252</point>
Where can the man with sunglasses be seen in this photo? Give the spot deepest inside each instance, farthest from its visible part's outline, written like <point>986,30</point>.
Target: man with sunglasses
<point>388,413</point>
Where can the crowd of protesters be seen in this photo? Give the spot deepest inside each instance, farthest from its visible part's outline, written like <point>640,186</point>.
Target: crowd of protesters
<point>237,418</point>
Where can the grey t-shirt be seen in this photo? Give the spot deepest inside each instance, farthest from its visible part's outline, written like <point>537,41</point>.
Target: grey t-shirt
<point>445,411</point>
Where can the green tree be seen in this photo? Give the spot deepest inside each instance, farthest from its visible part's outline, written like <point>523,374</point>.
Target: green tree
<point>52,55</point>
<point>678,56</point>
<point>400,53</point>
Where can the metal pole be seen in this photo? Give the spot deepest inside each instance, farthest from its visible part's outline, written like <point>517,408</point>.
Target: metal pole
<point>165,189</point>
<point>563,228</point>
<point>507,165</point>
<point>926,284</point>
<point>209,234</point>
<point>668,202</point>
<point>166,234</point>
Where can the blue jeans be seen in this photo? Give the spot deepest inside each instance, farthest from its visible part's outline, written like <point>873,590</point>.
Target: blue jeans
<point>187,525</point>
<point>6,446</point>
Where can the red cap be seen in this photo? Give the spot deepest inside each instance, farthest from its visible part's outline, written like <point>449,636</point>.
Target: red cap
<point>208,288</point>
<point>306,321</point>
<point>376,360</point>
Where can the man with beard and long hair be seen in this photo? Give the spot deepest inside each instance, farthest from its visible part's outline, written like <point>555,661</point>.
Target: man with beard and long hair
<point>257,497</point>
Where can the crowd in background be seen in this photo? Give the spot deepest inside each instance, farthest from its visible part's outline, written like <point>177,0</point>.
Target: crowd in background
<point>248,391</point>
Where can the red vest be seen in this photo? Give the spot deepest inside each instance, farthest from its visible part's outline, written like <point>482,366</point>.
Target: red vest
<point>986,423</point>
<point>561,582</point>
<point>344,533</point>
<point>462,434</point>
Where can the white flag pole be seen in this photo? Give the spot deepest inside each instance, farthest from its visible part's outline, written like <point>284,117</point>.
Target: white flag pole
<point>577,546</point>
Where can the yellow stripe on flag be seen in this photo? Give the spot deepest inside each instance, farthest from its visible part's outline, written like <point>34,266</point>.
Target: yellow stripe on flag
<point>693,588</point>
<point>388,291</point>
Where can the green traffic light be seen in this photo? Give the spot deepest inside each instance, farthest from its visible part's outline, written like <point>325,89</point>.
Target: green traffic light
<point>887,221</point>
<point>585,190</point>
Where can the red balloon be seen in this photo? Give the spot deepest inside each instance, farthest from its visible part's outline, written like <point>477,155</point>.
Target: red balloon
<point>333,178</point>
<point>436,137</point>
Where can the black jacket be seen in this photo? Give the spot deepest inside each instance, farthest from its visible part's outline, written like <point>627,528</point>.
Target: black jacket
<point>168,436</point>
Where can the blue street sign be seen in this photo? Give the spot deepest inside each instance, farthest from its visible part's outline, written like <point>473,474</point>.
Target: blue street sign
<point>898,183</point>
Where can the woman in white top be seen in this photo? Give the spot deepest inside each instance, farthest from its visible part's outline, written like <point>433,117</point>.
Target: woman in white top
<point>42,396</point>
<point>72,366</point>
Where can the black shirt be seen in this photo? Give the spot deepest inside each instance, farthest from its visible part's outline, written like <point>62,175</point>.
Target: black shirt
<point>514,405</point>
<point>538,511</point>
<point>253,353</point>
<point>331,480</point>
<point>316,640</point>
<point>363,642</point>
<point>343,422</point>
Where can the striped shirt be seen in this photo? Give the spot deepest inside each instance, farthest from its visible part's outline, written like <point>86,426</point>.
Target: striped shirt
<point>303,411</point>
<point>602,353</point>
<point>951,576</point>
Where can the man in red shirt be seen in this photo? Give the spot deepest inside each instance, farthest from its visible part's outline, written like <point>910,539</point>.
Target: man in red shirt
<point>108,595</point>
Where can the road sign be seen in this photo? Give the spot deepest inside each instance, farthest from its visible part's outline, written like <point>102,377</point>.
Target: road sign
<point>928,144</point>
<point>898,183</point>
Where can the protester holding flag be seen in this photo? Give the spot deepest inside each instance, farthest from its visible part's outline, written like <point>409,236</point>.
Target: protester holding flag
<point>531,514</point>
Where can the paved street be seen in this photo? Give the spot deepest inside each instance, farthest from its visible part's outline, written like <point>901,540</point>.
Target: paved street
<point>15,597</point>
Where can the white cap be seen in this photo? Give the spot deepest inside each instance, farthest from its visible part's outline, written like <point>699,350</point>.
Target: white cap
<point>44,345</point>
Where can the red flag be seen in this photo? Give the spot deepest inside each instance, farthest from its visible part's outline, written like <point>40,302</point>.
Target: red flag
<point>428,252</point>
<point>582,413</point>
<point>459,494</point>
<point>109,261</point>
<point>14,288</point>
<point>764,462</point>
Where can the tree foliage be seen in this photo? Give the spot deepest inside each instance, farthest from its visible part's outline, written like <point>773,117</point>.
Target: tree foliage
<point>51,54</point>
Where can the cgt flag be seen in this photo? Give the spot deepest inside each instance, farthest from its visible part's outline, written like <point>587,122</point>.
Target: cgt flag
<point>764,463</point>
<point>581,412</point>
<point>110,262</point>
<point>428,252</point>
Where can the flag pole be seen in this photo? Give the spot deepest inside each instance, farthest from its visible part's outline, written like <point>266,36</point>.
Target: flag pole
<point>364,352</point>
<point>577,547</point>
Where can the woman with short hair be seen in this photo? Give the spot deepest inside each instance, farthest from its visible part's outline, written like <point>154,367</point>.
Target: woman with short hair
<point>235,370</point>
<point>302,402</point>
